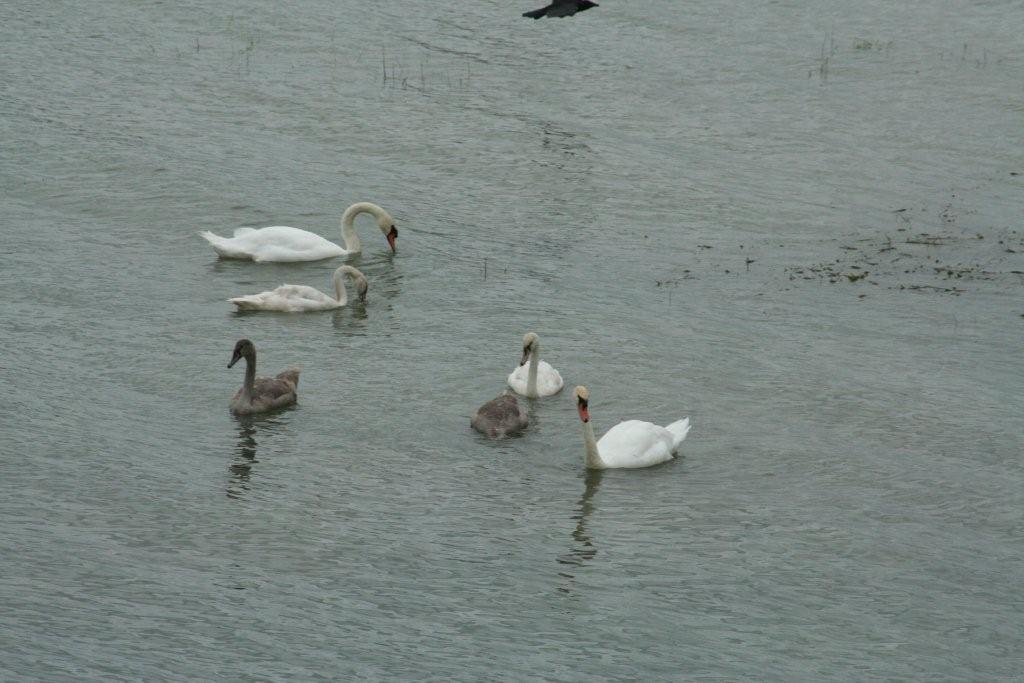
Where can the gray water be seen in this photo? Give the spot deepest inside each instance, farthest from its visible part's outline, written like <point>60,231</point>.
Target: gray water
<point>682,199</point>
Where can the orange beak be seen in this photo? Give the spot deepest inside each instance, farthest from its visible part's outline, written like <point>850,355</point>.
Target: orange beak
<point>581,407</point>
<point>392,236</point>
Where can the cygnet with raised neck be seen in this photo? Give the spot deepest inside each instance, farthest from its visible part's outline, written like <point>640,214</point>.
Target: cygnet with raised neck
<point>261,394</point>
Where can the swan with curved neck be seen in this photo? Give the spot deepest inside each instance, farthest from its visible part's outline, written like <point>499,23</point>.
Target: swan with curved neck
<point>300,298</point>
<point>260,394</point>
<point>629,444</point>
<point>538,378</point>
<point>280,243</point>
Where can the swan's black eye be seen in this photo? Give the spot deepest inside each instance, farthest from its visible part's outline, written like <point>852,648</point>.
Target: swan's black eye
<point>394,231</point>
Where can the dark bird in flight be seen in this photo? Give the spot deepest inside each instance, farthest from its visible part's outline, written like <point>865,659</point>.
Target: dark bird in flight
<point>561,8</point>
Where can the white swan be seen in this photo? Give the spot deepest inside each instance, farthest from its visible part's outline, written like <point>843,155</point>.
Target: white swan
<point>263,394</point>
<point>632,443</point>
<point>500,417</point>
<point>539,379</point>
<point>281,243</point>
<point>300,298</point>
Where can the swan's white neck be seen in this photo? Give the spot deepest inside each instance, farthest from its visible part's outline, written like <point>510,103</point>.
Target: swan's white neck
<point>348,229</point>
<point>339,287</point>
<point>593,457</point>
<point>531,377</point>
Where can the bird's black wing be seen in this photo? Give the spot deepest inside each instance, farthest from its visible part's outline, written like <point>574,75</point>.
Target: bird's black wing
<point>538,13</point>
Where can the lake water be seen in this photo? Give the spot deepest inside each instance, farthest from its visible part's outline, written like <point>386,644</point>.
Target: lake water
<point>797,223</point>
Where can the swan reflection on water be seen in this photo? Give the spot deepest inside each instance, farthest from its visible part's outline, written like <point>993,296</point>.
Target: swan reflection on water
<point>245,457</point>
<point>351,319</point>
<point>583,549</point>
<point>249,426</point>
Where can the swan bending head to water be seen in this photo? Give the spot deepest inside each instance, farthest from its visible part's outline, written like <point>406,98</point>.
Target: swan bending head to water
<point>259,395</point>
<point>281,243</point>
<point>537,379</point>
<point>300,298</point>
<point>500,417</point>
<point>632,443</point>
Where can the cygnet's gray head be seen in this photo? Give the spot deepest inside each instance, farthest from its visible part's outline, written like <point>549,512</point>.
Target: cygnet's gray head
<point>362,285</point>
<point>358,280</point>
<point>243,349</point>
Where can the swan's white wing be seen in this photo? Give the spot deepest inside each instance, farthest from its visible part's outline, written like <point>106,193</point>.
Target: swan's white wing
<point>226,247</point>
<point>285,238</point>
<point>517,380</point>
<point>303,298</point>
<point>635,443</point>
<point>288,299</point>
<point>679,429</point>
<point>276,243</point>
<point>280,243</point>
<point>548,380</point>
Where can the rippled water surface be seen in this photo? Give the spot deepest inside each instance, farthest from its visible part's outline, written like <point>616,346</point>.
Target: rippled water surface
<point>797,223</point>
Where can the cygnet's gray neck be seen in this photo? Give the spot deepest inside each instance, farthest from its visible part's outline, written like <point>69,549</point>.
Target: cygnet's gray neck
<point>250,375</point>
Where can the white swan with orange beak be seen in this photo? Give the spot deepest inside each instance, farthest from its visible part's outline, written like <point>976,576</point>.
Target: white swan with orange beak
<point>632,443</point>
<point>537,378</point>
<point>282,244</point>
